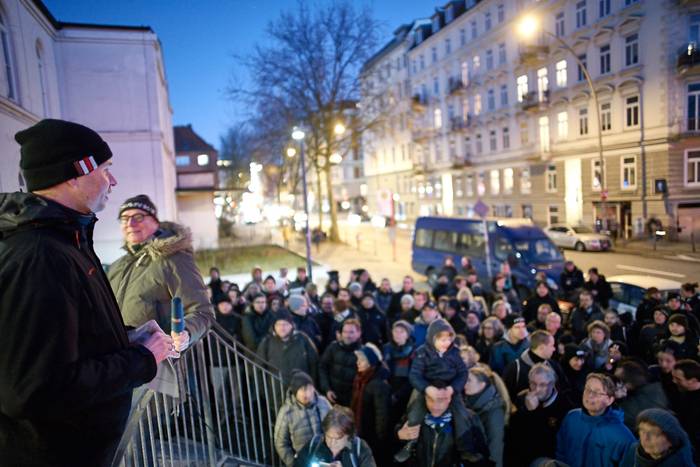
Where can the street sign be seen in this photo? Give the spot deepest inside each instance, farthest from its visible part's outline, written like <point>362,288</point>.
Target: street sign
<point>481,208</point>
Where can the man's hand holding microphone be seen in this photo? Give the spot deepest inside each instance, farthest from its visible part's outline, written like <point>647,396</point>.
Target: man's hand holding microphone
<point>162,346</point>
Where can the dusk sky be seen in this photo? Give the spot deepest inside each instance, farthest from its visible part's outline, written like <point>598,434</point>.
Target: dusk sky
<point>200,39</point>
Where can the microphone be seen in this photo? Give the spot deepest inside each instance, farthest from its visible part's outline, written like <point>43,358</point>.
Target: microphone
<point>177,315</point>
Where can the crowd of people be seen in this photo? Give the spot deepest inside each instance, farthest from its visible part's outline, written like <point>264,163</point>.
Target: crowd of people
<point>470,375</point>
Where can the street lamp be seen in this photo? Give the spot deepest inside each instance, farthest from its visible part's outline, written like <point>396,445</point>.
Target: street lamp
<point>526,28</point>
<point>291,152</point>
<point>339,128</point>
<point>335,158</point>
<point>298,135</point>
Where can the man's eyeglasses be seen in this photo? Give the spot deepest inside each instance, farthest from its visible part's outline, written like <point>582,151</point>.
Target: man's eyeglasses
<point>137,218</point>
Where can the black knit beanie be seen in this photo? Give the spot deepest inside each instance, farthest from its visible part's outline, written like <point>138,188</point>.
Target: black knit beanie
<point>298,380</point>
<point>141,202</point>
<point>54,151</point>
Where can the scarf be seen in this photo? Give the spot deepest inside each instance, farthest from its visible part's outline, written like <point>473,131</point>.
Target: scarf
<point>358,388</point>
<point>442,422</point>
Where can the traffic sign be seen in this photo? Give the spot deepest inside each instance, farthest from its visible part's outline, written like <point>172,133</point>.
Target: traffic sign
<point>481,208</point>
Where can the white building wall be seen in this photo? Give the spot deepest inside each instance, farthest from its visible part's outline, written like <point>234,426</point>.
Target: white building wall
<point>111,80</point>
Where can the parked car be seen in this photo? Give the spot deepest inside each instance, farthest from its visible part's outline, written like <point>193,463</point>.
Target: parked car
<point>628,290</point>
<point>578,237</point>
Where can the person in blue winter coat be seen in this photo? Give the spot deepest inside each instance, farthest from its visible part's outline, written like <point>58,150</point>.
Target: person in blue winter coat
<point>514,343</point>
<point>595,435</point>
<point>662,442</point>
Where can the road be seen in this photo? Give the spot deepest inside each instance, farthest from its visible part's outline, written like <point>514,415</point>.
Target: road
<point>375,242</point>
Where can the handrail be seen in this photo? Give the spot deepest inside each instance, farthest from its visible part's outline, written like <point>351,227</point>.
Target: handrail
<point>229,399</point>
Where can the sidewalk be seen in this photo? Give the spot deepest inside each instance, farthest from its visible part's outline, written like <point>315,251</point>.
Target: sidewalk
<point>663,249</point>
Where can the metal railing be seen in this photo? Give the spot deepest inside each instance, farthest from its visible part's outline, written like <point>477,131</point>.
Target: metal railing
<point>226,415</point>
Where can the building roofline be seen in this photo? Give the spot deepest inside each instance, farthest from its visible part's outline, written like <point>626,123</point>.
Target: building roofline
<point>66,24</point>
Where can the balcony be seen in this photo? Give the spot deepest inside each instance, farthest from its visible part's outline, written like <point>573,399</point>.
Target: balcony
<point>532,102</point>
<point>421,134</point>
<point>688,58</point>
<point>419,103</point>
<point>458,124</point>
<point>533,54</point>
<point>455,86</point>
<point>459,162</point>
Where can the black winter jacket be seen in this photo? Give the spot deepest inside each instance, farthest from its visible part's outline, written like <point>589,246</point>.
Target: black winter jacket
<point>337,370</point>
<point>374,325</point>
<point>376,420</point>
<point>431,368</point>
<point>67,370</point>
<point>532,303</point>
<point>254,327</point>
<point>296,353</point>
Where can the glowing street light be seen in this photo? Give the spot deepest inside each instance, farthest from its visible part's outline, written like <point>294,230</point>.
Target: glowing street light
<point>339,128</point>
<point>298,134</point>
<point>335,158</point>
<point>527,26</point>
<point>291,152</point>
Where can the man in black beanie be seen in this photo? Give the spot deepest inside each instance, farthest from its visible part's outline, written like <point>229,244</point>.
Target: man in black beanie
<point>69,366</point>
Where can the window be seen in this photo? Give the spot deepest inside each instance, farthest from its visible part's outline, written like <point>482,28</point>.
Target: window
<point>553,214</point>
<point>632,111</point>
<point>481,184</point>
<point>551,179</point>
<point>42,78</point>
<point>605,117</point>
<point>581,74</point>
<point>495,182</point>
<point>631,50</point>
<point>436,24</point>
<point>506,138</point>
<point>561,73</point>
<point>628,173</point>
<point>581,14</point>
<point>525,183</point>
<point>504,95</point>
<point>467,147</point>
<point>559,24</point>
<point>542,84</point>
<point>487,20</point>
<point>479,145</point>
<point>694,107</point>
<point>424,238</point>
<point>501,54</point>
<point>507,181</point>
<point>524,132</point>
<point>563,125</point>
<point>604,8</point>
<point>469,185</point>
<point>491,99</point>
<point>521,82</point>
<point>582,122</point>
<point>471,244</point>
<point>465,109</point>
<point>433,54</point>
<point>527,211</point>
<point>630,2</point>
<point>422,62</point>
<point>492,140</point>
<point>7,73</point>
<point>465,73</point>
<point>477,104</point>
<point>596,175</point>
<point>437,118</point>
<point>182,161</point>
<point>448,47</point>
<point>489,59</point>
<point>462,37</point>
<point>436,86</point>
<point>476,63</point>
<point>605,59</point>
<point>203,159</point>
<point>692,168</point>
<point>473,28</point>
<point>501,13</point>
<point>544,134</point>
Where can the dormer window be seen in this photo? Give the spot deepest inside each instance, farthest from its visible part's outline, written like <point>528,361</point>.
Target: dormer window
<point>419,36</point>
<point>449,14</point>
<point>436,24</point>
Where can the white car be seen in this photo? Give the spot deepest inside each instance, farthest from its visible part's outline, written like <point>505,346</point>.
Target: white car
<point>628,290</point>
<point>578,237</point>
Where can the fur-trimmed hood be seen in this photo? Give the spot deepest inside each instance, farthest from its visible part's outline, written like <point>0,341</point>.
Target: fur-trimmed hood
<point>169,239</point>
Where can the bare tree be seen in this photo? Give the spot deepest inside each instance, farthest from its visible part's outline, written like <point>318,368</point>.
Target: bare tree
<point>308,74</point>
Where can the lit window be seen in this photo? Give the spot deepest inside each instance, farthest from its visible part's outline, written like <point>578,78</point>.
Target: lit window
<point>544,134</point>
<point>563,125</point>
<point>495,182</point>
<point>521,82</point>
<point>477,104</point>
<point>525,183</point>
<point>203,159</point>
<point>561,73</point>
<point>692,168</point>
<point>182,161</point>
<point>438,118</point>
<point>596,175</point>
<point>507,181</point>
<point>542,84</point>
